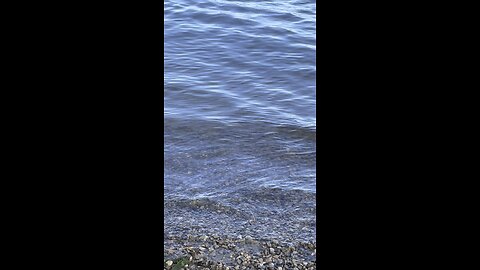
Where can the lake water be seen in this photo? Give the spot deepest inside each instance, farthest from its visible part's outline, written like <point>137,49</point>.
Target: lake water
<point>240,118</point>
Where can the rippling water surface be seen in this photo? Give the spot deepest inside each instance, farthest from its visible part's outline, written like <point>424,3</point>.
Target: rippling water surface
<point>239,117</point>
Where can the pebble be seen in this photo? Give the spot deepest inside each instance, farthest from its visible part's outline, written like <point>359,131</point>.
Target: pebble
<point>221,253</point>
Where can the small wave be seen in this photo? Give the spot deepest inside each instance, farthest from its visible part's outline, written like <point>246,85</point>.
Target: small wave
<point>239,116</point>
<point>206,205</point>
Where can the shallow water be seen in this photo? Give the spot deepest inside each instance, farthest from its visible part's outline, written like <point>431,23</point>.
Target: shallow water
<point>239,118</point>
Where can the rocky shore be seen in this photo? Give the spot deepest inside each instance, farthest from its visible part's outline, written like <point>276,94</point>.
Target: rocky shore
<point>243,252</point>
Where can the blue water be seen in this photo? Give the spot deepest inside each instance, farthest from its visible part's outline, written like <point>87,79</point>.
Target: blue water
<point>240,117</point>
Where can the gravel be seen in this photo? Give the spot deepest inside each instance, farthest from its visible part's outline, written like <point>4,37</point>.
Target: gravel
<point>221,252</point>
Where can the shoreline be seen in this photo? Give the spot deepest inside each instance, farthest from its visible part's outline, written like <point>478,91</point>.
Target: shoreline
<point>220,252</point>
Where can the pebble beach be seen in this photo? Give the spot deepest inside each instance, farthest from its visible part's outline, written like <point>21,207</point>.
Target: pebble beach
<point>240,134</point>
<point>216,252</point>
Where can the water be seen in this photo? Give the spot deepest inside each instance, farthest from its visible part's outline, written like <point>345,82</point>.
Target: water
<point>240,119</point>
